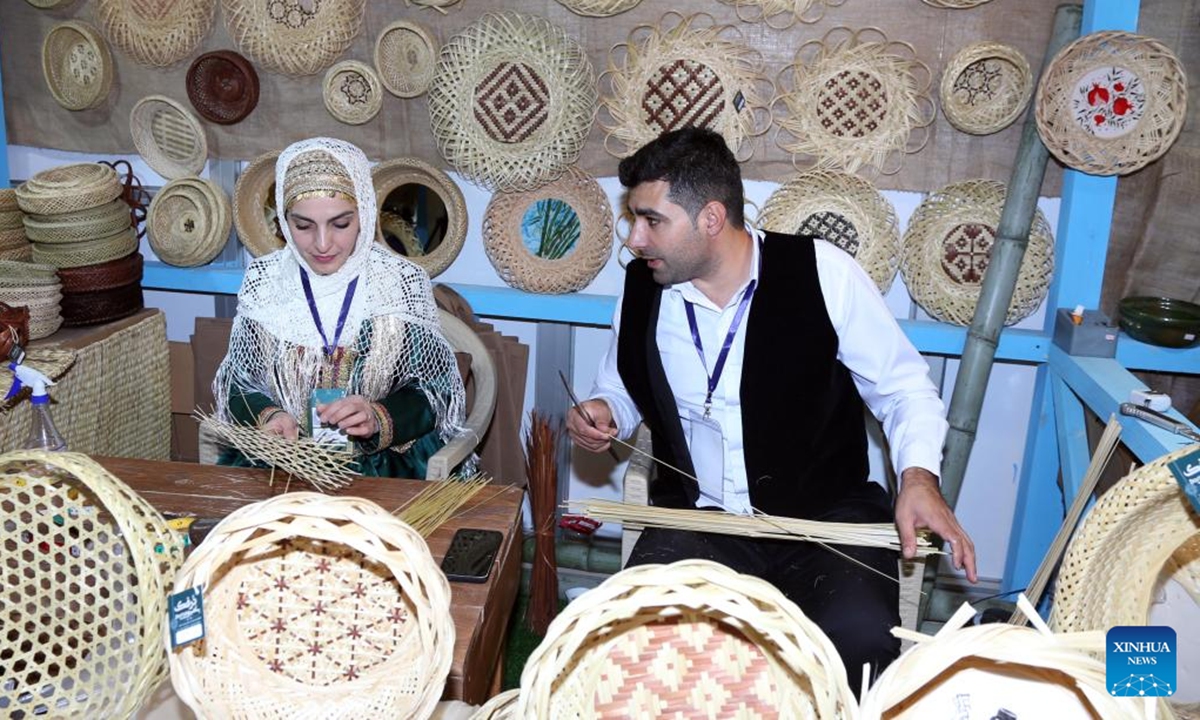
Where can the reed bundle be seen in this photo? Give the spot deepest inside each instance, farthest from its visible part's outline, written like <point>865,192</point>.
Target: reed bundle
<point>438,502</point>
<point>323,466</point>
<point>541,469</point>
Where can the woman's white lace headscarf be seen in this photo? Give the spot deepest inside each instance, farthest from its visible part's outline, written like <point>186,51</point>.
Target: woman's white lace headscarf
<point>275,347</point>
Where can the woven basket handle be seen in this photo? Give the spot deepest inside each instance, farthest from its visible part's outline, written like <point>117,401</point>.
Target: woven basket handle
<point>14,327</point>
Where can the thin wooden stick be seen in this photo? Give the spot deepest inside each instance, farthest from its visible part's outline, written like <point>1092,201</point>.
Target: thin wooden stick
<point>438,502</point>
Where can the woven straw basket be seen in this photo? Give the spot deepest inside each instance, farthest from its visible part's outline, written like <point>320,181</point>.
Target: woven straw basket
<point>352,91</point>
<point>78,225</point>
<point>77,65</point>
<point>11,219</point>
<point>293,37</point>
<point>101,293</point>
<point>13,237</point>
<point>406,58</point>
<point>555,239</point>
<point>844,210</point>
<point>512,102</point>
<point>782,14</point>
<point>390,175</point>
<point>168,137</point>
<point>86,252</point>
<point>22,274</point>
<point>1110,103</point>
<point>8,200</point>
<point>254,213</point>
<point>67,188</point>
<point>598,8</point>
<point>315,606</point>
<point>985,87</point>
<point>500,707</point>
<point>42,302</point>
<point>157,34</point>
<point>223,87</point>
<point>104,276</point>
<point>948,246</point>
<point>18,254</point>
<point>87,563</point>
<point>693,638</point>
<point>687,71</point>
<point>189,221</point>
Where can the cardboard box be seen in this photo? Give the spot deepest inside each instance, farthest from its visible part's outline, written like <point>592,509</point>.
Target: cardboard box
<point>185,431</point>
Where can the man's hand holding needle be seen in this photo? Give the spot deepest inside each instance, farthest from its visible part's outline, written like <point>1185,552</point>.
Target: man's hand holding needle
<point>590,423</point>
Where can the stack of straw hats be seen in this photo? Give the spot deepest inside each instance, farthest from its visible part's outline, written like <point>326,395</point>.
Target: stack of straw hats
<point>36,287</point>
<point>13,243</point>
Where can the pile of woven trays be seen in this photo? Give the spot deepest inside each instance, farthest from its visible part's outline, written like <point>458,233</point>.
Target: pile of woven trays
<point>13,243</point>
<point>33,289</point>
<point>78,223</point>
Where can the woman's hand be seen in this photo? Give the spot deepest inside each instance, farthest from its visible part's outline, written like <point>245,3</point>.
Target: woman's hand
<point>283,425</point>
<point>352,414</point>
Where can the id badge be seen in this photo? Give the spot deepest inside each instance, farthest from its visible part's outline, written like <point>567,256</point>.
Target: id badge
<point>322,433</point>
<point>707,444</point>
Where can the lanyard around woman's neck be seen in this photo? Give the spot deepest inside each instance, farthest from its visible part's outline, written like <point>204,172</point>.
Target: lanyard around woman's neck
<point>312,308</point>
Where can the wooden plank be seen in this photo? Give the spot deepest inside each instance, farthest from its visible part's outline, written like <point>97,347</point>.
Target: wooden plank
<point>1073,451</point>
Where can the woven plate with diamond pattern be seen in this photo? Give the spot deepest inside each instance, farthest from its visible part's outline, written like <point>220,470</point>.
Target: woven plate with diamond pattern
<point>315,606</point>
<point>293,37</point>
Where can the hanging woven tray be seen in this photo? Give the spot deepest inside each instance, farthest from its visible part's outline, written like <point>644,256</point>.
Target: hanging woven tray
<point>782,14</point>
<point>189,222</point>
<point>87,252</point>
<point>68,188</point>
<point>352,92</point>
<point>77,65</point>
<point>104,276</point>
<point>554,239</point>
<point>406,56</point>
<point>79,225</point>
<point>400,174</point>
<point>157,34</point>
<point>598,8</point>
<point>223,87</point>
<point>293,37</point>
<point>101,306</point>
<point>985,87</point>
<point>254,213</point>
<point>168,137</point>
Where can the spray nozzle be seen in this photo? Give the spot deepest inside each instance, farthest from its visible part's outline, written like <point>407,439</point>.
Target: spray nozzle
<point>23,376</point>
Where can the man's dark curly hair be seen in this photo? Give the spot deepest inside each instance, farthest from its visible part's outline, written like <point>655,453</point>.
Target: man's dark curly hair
<point>698,166</point>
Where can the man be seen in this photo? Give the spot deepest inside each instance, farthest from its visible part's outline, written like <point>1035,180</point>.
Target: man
<point>750,355</point>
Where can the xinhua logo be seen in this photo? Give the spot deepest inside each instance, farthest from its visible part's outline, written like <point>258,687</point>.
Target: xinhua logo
<point>1140,661</point>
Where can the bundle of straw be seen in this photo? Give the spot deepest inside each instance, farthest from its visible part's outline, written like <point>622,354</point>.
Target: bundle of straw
<point>323,466</point>
<point>541,469</point>
<point>438,502</point>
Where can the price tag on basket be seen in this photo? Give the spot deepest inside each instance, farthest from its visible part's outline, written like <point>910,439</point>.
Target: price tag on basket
<point>185,616</point>
<point>1187,472</point>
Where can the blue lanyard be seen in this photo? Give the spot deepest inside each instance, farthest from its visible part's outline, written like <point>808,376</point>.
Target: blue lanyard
<point>715,377</point>
<point>341,321</point>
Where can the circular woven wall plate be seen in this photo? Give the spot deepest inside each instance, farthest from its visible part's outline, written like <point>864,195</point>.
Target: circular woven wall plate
<point>854,100</point>
<point>598,8</point>
<point>845,210</point>
<point>1110,103</point>
<point>554,239</point>
<point>684,71</point>
<point>406,56</point>
<point>254,213</point>
<point>158,34</point>
<point>512,101</point>
<point>87,567</point>
<point>782,14</point>
<point>948,246</point>
<point>77,65</point>
<point>423,215</point>
<point>352,92</point>
<point>985,87</point>
<point>329,606</point>
<point>168,137</point>
<point>189,221</point>
<point>223,87</point>
<point>293,37</point>
<point>955,4</point>
<point>68,188</point>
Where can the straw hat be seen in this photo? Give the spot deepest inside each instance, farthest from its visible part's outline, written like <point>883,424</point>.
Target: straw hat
<point>598,8</point>
<point>948,246</point>
<point>406,56</point>
<point>189,222</point>
<point>792,11</point>
<point>844,210</point>
<point>985,87</point>
<point>353,93</point>
<point>168,137</point>
<point>157,34</point>
<point>512,101</point>
<point>391,175</point>
<point>1111,102</point>
<point>293,37</point>
<point>685,71</point>
<point>254,213</point>
<point>223,87</point>
<point>77,65</point>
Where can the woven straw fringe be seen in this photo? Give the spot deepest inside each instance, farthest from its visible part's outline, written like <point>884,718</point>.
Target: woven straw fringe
<point>89,567</point>
<point>157,34</point>
<point>189,221</point>
<point>955,4</point>
<point>291,37</point>
<point>254,213</point>
<point>845,210</point>
<point>315,607</point>
<point>791,11</point>
<point>985,87</point>
<point>398,172</point>
<point>1080,85</point>
<point>563,262</point>
<point>352,92</point>
<point>855,101</point>
<point>726,89</point>
<point>406,58</point>
<point>79,225</point>
<point>598,8</point>
<point>168,137</point>
<point>77,65</point>
<point>948,246</point>
<point>86,252</point>
<point>68,188</point>
<point>506,142</point>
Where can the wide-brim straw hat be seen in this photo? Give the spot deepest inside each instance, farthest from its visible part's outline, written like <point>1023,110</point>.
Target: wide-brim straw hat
<point>845,210</point>
<point>89,568</point>
<point>684,71</point>
<point>157,34</point>
<point>352,92</point>
<point>512,102</point>
<point>86,252</point>
<point>189,221</point>
<point>78,225</point>
<point>68,188</point>
<point>393,174</point>
<point>77,65</point>
<point>290,37</point>
<point>693,638</point>
<point>254,213</point>
<point>985,87</point>
<point>554,239</point>
<point>598,8</point>
<point>168,137</point>
<point>315,605</point>
<point>406,54</point>
<point>1111,102</point>
<point>223,87</point>
<point>947,248</point>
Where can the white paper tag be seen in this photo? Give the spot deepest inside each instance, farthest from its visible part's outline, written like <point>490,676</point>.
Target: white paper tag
<point>707,444</point>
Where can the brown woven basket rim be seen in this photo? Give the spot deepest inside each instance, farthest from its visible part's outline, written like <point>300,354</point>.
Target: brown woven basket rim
<point>93,308</point>
<point>213,109</point>
<point>114,273</point>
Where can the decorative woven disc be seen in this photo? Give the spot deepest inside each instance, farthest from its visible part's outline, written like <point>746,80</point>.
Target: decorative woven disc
<point>686,71</point>
<point>68,188</point>
<point>598,8</point>
<point>844,210</point>
<point>352,92</point>
<point>223,87</point>
<point>423,214</point>
<point>948,246</point>
<point>293,37</point>
<point>855,101</point>
<point>254,213</point>
<point>555,239</point>
<point>189,221</point>
<point>512,102</point>
<point>157,33</point>
<point>955,4</point>
<point>406,56</point>
<point>168,137</point>
<point>782,14</point>
<point>985,87</point>
<point>77,65</point>
<point>1110,103</point>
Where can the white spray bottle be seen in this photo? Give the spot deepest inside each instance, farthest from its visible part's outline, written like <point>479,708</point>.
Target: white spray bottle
<point>42,433</point>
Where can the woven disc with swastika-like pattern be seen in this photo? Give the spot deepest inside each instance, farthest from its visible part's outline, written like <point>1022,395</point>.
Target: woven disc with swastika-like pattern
<point>680,94</point>
<point>852,104</point>
<point>966,250</point>
<point>831,227</point>
<point>511,102</point>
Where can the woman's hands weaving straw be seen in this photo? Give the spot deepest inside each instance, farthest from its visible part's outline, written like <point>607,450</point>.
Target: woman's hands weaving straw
<point>920,505</point>
<point>283,425</point>
<point>352,414</point>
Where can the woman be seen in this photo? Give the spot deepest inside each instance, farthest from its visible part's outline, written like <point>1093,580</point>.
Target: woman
<point>335,331</point>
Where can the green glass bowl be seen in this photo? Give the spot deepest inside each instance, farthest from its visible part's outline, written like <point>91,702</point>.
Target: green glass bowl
<point>1165,322</point>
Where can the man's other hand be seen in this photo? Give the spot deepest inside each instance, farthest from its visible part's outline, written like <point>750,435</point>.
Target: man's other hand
<point>595,439</point>
<point>920,506</point>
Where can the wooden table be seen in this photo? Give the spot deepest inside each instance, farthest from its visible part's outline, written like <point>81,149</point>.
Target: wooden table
<point>480,610</point>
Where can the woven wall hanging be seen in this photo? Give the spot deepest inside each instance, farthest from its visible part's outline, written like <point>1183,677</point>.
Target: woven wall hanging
<point>782,14</point>
<point>512,101</point>
<point>554,239</point>
<point>87,568</point>
<point>316,606</point>
<point>423,215</point>
<point>77,65</point>
<point>955,4</point>
<point>158,34</point>
<point>598,8</point>
<point>293,37</point>
<point>189,221</point>
<point>352,91</point>
<point>168,137</point>
<point>854,99</point>
<point>948,246</point>
<point>254,213</point>
<point>1111,103</point>
<point>406,56</point>
<point>67,188</point>
<point>223,87</point>
<point>685,71</point>
<point>844,210</point>
<point>985,87</point>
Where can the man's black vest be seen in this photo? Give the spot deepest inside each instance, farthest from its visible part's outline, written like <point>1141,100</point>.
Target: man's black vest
<point>802,418</point>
